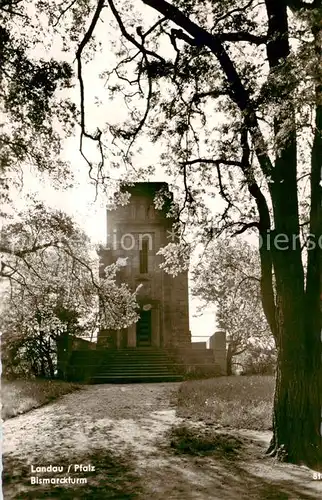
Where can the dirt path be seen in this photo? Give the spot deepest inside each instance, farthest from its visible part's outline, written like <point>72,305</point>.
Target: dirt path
<point>132,421</point>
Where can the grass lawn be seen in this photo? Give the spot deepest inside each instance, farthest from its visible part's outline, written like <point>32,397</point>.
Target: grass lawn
<point>20,396</point>
<point>236,402</point>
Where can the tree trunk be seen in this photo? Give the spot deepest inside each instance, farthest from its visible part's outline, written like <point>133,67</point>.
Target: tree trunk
<point>50,365</point>
<point>229,359</point>
<point>63,354</point>
<point>43,371</point>
<point>297,405</point>
<point>297,401</point>
<point>297,410</point>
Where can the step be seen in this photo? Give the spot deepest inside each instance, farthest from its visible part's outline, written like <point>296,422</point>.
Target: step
<point>139,362</point>
<point>136,352</point>
<point>133,368</point>
<point>135,379</point>
<point>132,356</point>
<point>136,361</point>
<point>145,359</point>
<point>130,372</point>
<point>134,365</point>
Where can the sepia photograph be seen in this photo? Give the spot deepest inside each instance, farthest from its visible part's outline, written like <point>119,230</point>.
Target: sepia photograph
<point>161,249</point>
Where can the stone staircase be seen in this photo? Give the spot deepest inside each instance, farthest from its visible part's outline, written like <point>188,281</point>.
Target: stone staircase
<point>139,364</point>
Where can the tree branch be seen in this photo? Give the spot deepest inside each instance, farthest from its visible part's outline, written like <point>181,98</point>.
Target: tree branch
<point>188,196</point>
<point>63,12</point>
<point>245,227</point>
<point>213,161</point>
<point>237,353</point>
<point>222,191</point>
<point>242,36</point>
<point>20,253</point>
<point>264,225</point>
<point>79,52</point>
<point>212,93</point>
<point>129,37</point>
<point>82,45</point>
<point>237,91</point>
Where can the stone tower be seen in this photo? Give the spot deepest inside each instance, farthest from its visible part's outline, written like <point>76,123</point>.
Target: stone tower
<point>135,233</point>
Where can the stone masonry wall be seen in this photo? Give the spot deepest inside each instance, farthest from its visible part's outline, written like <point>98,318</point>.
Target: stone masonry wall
<point>218,345</point>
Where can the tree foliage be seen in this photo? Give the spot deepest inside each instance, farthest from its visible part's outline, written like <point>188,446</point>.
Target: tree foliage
<point>228,276</point>
<point>51,287</point>
<point>33,103</point>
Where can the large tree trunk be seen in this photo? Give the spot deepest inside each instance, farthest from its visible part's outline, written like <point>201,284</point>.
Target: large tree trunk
<point>297,401</point>
<point>297,409</point>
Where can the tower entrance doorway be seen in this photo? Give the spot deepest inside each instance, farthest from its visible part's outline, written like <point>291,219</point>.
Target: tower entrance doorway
<point>144,329</point>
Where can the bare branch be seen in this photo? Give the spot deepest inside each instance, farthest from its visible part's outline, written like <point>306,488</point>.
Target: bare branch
<point>63,12</point>
<point>222,190</point>
<point>239,36</point>
<point>240,352</point>
<point>146,112</point>
<point>145,53</point>
<point>13,12</point>
<point>79,52</point>
<point>82,45</point>
<point>264,226</point>
<point>215,93</point>
<point>129,37</point>
<point>155,25</point>
<point>188,196</point>
<point>245,227</point>
<point>213,161</point>
<point>242,36</point>
<point>20,253</point>
<point>232,11</point>
<point>237,91</point>
<point>183,36</point>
